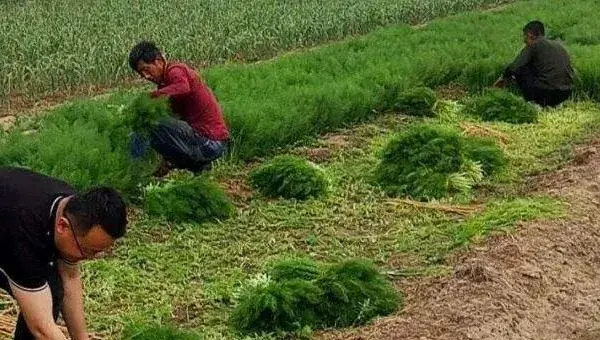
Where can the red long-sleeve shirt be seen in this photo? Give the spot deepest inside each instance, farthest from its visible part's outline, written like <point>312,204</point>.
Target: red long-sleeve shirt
<point>193,101</point>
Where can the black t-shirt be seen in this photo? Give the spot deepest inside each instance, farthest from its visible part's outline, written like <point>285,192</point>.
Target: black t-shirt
<point>28,203</point>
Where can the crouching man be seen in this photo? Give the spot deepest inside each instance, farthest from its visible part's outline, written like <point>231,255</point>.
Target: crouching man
<point>199,135</point>
<point>542,70</point>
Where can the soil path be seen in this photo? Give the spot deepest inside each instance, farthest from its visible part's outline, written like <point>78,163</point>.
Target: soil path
<point>541,282</point>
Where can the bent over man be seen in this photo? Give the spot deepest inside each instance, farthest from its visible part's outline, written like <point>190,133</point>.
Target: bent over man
<point>46,229</point>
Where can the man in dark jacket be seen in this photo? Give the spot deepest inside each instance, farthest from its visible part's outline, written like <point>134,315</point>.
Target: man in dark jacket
<point>542,70</point>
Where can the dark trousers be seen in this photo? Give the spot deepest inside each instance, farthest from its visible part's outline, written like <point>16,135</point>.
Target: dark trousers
<point>183,147</point>
<point>180,145</point>
<point>22,331</point>
<point>543,97</point>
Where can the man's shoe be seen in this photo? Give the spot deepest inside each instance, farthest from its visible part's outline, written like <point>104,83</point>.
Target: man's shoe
<point>200,168</point>
<point>162,170</point>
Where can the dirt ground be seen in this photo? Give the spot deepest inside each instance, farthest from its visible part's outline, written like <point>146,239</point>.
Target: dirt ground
<point>542,282</point>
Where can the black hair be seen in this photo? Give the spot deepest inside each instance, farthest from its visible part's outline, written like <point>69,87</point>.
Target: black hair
<point>145,51</point>
<point>99,206</point>
<point>535,27</point>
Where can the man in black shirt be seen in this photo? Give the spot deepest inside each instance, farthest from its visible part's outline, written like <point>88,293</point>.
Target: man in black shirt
<point>46,229</point>
<point>542,70</point>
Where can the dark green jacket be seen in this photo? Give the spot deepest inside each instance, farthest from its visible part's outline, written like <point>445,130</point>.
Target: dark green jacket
<point>548,62</point>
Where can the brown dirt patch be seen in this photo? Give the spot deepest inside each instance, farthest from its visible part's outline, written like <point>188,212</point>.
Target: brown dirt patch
<point>339,141</point>
<point>238,189</point>
<point>7,121</point>
<point>542,282</point>
<point>479,130</point>
<point>357,137</point>
<point>462,210</point>
<point>451,91</point>
<point>19,103</point>
<point>185,312</point>
<point>316,155</point>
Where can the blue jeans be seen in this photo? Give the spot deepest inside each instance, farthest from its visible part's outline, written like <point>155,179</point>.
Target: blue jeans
<point>180,145</point>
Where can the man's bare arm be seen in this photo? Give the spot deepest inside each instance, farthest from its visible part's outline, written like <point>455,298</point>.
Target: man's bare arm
<point>36,307</point>
<point>73,310</point>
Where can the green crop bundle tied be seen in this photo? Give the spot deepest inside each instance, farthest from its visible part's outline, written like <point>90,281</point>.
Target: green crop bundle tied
<point>499,105</point>
<point>278,306</point>
<point>432,162</point>
<point>297,294</point>
<point>486,152</point>
<point>418,161</point>
<point>187,199</point>
<point>419,101</point>
<point>290,177</point>
<point>293,268</point>
<point>146,112</point>
<point>356,292</point>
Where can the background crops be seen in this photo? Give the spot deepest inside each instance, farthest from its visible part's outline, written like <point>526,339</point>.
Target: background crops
<point>84,143</point>
<point>292,98</point>
<point>56,45</point>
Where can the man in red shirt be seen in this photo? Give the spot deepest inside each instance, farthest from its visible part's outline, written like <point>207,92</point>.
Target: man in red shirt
<point>199,135</point>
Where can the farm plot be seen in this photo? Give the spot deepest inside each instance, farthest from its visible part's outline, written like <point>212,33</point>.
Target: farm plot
<point>66,46</point>
<point>192,274</point>
<point>189,275</point>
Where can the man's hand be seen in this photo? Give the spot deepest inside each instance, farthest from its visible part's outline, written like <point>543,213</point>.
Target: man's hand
<point>37,311</point>
<point>72,310</point>
<point>500,83</point>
